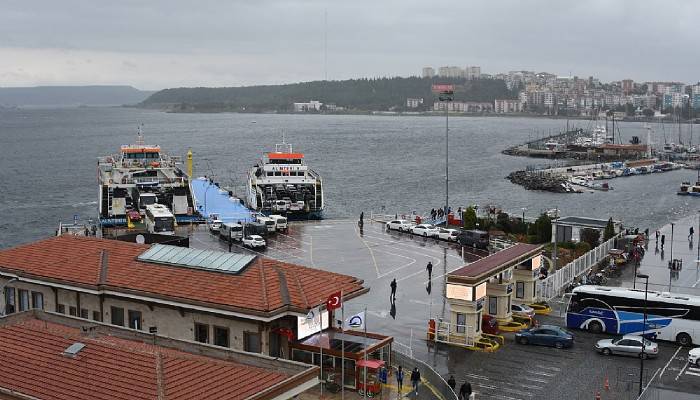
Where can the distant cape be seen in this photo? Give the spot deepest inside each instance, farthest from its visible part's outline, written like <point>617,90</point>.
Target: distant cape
<point>71,96</point>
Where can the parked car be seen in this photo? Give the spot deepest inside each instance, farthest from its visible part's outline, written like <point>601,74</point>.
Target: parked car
<point>489,324</point>
<point>628,345</point>
<point>254,241</point>
<point>448,234</point>
<point>134,215</point>
<point>522,310</point>
<point>214,225</point>
<point>474,238</point>
<point>546,335</point>
<point>694,357</point>
<point>400,225</point>
<point>426,230</point>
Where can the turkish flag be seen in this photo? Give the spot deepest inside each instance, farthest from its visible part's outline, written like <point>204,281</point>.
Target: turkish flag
<point>334,301</point>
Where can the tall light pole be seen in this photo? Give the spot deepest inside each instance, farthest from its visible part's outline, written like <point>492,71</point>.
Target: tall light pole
<point>670,270</point>
<point>446,95</point>
<point>644,327</point>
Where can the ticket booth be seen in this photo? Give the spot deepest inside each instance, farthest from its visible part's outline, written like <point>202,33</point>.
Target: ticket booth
<point>525,276</point>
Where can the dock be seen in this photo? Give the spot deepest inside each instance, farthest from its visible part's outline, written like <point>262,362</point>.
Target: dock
<point>211,199</point>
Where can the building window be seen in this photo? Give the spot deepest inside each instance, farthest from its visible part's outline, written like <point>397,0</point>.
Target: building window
<point>251,342</point>
<point>97,316</point>
<point>9,300</point>
<point>461,321</point>
<point>38,300</point>
<point>61,308</point>
<point>117,314</point>
<point>493,305</point>
<point>73,311</point>
<point>84,313</point>
<point>221,336</point>
<point>135,319</point>
<point>519,289</point>
<point>201,333</point>
<point>23,300</point>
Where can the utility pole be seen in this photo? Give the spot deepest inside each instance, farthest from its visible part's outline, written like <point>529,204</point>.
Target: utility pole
<point>446,94</point>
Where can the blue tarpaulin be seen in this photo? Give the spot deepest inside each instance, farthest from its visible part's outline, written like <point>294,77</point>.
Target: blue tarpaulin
<point>209,199</point>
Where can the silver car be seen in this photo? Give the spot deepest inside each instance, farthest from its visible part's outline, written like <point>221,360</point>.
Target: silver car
<point>628,345</point>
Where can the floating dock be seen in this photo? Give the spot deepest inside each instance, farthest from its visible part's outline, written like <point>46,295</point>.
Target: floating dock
<point>210,199</point>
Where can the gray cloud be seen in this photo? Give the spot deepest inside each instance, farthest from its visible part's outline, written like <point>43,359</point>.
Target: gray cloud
<point>212,43</point>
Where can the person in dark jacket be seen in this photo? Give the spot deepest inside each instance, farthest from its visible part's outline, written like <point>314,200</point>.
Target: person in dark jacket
<point>429,268</point>
<point>452,382</point>
<point>465,391</point>
<point>399,379</point>
<point>415,379</point>
<point>392,296</point>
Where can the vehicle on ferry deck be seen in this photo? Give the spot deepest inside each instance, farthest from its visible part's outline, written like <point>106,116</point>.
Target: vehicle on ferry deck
<point>231,230</point>
<point>160,220</point>
<point>280,222</point>
<point>425,230</point>
<point>268,222</point>
<point>400,225</point>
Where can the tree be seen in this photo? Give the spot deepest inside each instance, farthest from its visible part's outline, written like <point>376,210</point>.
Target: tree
<point>590,236</point>
<point>609,230</point>
<point>541,230</point>
<point>503,222</point>
<point>469,218</point>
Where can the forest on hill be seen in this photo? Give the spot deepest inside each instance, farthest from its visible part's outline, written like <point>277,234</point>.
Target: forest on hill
<point>376,94</point>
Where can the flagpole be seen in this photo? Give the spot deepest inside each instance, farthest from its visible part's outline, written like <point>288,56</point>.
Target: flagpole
<point>320,346</point>
<point>342,346</point>
<point>365,372</point>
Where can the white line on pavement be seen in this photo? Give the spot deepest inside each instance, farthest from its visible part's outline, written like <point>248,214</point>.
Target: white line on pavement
<point>669,361</point>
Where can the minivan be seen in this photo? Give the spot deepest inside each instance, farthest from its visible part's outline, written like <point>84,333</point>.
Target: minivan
<point>280,222</point>
<point>269,223</point>
<point>474,238</point>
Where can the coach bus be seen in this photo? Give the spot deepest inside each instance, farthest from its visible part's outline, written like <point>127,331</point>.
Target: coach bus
<point>617,310</point>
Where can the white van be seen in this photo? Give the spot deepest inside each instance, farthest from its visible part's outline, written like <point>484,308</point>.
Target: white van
<point>159,219</point>
<point>231,230</point>
<point>280,222</point>
<point>269,223</point>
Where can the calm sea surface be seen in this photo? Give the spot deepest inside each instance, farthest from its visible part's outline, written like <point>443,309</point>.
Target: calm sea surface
<point>48,163</point>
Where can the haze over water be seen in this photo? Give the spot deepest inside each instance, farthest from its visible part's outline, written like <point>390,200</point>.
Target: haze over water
<point>48,163</point>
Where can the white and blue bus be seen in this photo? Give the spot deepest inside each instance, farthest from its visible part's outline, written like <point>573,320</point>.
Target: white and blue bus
<point>617,310</point>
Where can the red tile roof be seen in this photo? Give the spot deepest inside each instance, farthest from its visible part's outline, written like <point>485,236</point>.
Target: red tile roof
<point>487,266</point>
<point>264,287</point>
<point>32,364</point>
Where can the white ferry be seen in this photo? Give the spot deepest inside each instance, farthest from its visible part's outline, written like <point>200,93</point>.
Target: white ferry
<point>283,184</point>
<point>140,175</point>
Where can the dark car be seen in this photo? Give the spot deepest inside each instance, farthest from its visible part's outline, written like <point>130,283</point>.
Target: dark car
<point>474,238</point>
<point>546,335</point>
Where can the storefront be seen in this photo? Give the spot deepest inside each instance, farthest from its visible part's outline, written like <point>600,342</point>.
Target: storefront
<point>330,343</point>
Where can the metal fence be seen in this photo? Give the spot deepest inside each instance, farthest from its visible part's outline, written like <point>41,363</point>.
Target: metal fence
<point>427,373</point>
<point>555,283</point>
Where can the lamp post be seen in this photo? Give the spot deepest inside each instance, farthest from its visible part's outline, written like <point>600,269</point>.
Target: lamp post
<point>670,270</point>
<point>446,95</point>
<point>644,327</point>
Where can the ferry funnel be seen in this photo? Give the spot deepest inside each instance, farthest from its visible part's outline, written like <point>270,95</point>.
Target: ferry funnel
<point>189,163</point>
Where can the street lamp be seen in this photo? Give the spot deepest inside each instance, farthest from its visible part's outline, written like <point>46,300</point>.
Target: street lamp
<point>670,270</point>
<point>644,327</point>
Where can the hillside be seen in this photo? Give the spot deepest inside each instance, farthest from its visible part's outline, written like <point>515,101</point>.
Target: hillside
<point>356,95</point>
<point>71,96</point>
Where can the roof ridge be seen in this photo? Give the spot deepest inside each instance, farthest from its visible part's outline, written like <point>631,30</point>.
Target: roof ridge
<point>301,291</point>
<point>104,263</point>
<point>264,283</point>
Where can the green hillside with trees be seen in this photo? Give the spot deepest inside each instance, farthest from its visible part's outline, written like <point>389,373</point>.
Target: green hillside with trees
<point>379,94</point>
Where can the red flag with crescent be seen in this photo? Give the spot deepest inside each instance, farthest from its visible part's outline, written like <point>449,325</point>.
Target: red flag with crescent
<point>334,301</point>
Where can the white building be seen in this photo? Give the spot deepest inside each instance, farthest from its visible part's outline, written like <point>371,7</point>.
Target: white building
<point>428,72</point>
<point>507,106</point>
<point>472,72</point>
<point>313,105</point>
<point>413,103</point>
<point>451,72</point>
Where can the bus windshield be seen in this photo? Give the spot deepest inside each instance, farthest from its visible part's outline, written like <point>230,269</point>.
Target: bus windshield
<point>164,224</point>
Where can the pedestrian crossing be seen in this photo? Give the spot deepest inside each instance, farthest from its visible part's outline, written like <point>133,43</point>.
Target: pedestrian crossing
<point>693,371</point>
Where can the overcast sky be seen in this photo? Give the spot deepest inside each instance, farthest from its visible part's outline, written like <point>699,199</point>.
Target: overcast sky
<point>154,45</point>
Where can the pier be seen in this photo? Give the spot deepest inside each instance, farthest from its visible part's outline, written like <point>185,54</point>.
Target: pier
<point>210,199</point>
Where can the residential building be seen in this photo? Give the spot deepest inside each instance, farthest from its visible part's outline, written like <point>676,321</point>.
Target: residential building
<point>507,106</point>
<point>428,72</point>
<point>696,102</point>
<point>51,356</point>
<point>414,103</point>
<point>472,72</point>
<point>463,106</point>
<point>627,86</point>
<point>674,99</point>
<point>243,302</point>
<point>450,72</point>
<point>313,105</point>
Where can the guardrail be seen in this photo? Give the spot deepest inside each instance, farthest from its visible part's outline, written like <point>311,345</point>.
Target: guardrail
<point>555,283</point>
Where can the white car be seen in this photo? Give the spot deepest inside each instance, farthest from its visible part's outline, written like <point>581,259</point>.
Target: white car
<point>694,357</point>
<point>448,234</point>
<point>215,225</point>
<point>522,310</point>
<point>400,225</point>
<point>426,230</point>
<point>254,241</point>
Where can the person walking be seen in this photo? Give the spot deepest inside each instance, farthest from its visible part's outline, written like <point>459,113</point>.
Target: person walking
<point>657,237</point>
<point>392,296</point>
<point>429,268</point>
<point>415,379</point>
<point>452,382</point>
<point>663,240</point>
<point>465,391</point>
<point>399,379</point>
<point>691,232</point>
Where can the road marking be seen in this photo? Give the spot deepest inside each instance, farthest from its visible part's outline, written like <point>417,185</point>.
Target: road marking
<point>549,368</point>
<point>682,371</point>
<point>371,252</point>
<point>669,361</point>
<point>693,373</point>
<point>418,272</point>
<point>696,283</point>
<point>413,246</point>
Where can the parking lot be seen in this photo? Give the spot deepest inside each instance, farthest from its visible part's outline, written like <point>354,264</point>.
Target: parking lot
<point>513,372</point>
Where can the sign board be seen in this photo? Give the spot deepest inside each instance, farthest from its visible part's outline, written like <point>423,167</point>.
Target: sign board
<point>443,88</point>
<point>459,292</point>
<point>307,327</point>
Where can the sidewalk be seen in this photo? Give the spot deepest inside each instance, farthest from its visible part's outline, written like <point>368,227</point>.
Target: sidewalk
<point>389,392</point>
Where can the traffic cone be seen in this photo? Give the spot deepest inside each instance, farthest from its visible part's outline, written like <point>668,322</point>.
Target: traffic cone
<point>597,395</point>
<point>606,385</point>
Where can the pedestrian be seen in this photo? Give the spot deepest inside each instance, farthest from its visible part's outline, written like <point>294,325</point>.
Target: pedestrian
<point>663,240</point>
<point>646,234</point>
<point>392,297</point>
<point>362,217</point>
<point>399,379</point>
<point>429,268</point>
<point>452,382</point>
<point>691,231</point>
<point>465,391</point>
<point>415,379</point>
<point>657,237</point>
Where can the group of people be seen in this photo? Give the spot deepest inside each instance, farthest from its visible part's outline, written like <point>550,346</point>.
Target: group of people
<point>438,213</point>
<point>465,391</point>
